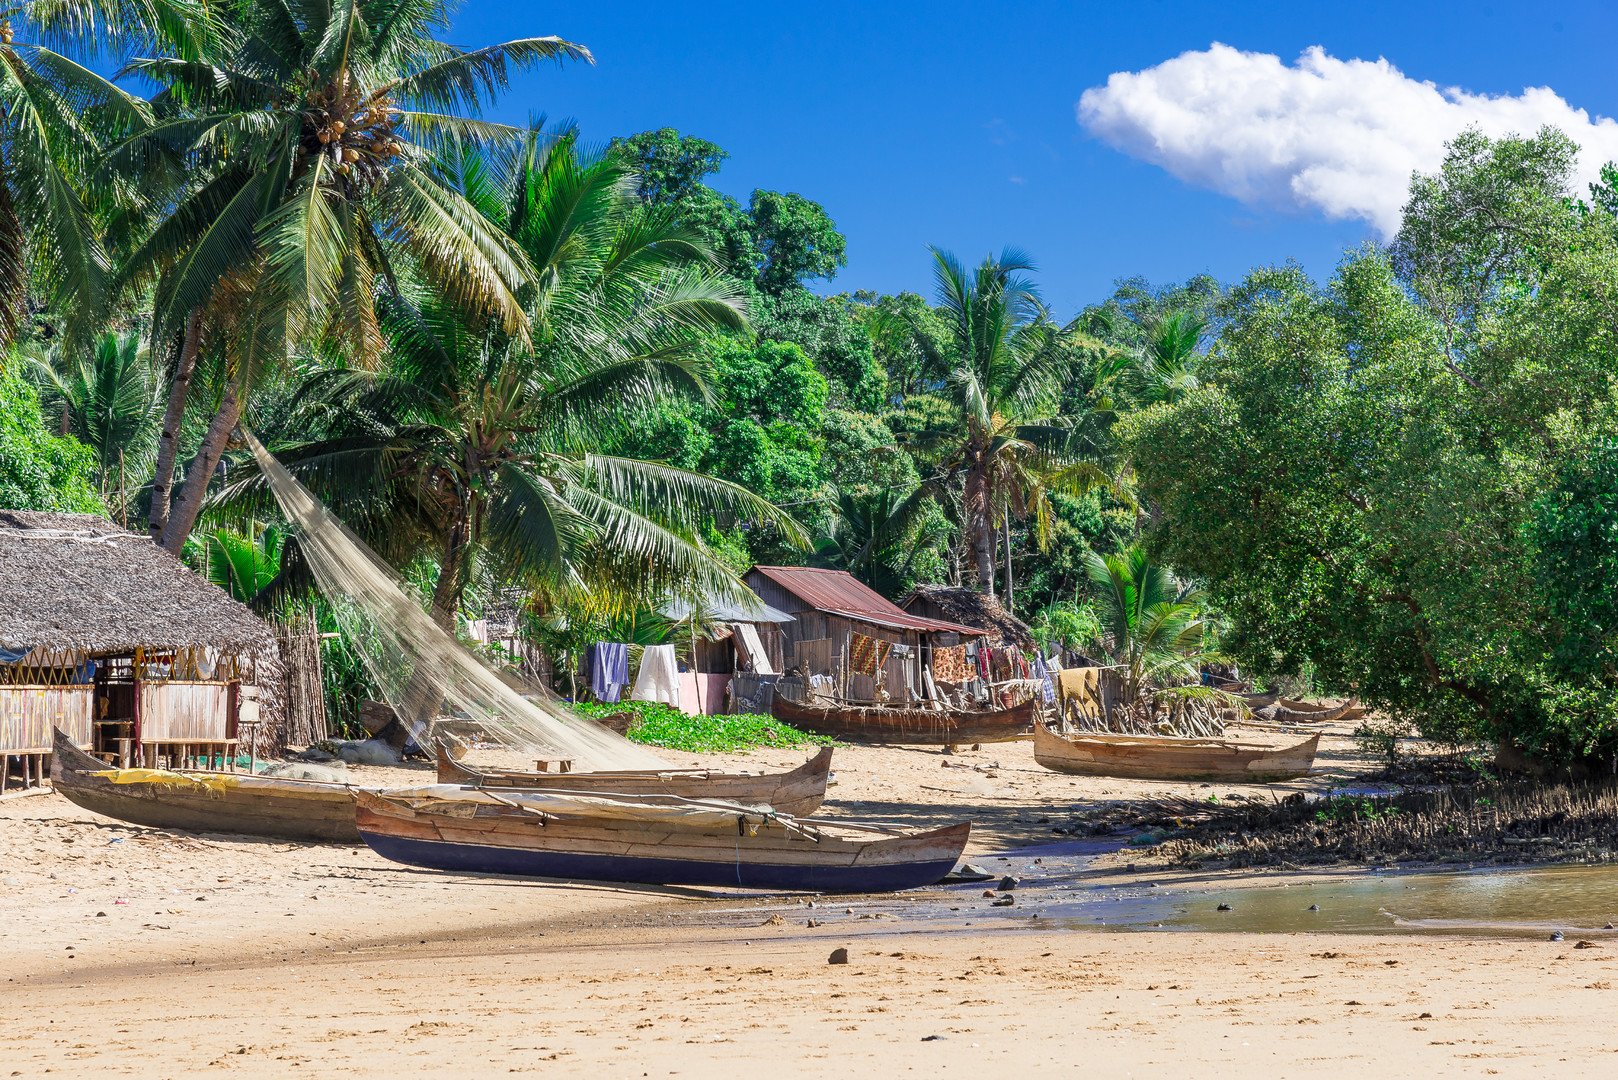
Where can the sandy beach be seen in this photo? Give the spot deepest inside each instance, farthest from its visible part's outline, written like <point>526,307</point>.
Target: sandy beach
<point>135,952</point>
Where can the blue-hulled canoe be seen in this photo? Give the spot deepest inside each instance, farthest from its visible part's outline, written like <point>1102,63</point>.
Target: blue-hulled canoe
<point>651,840</point>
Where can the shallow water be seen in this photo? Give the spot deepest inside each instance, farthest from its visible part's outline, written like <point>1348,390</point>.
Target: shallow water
<point>1058,892</point>
<point>1529,901</point>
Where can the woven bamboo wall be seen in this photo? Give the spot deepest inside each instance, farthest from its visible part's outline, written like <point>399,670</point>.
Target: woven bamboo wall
<point>27,714</point>
<point>184,712</point>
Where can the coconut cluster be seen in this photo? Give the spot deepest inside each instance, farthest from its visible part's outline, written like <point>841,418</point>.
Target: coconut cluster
<point>355,133</point>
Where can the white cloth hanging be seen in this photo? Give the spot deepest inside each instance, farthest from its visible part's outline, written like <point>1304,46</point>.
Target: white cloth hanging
<point>659,676</point>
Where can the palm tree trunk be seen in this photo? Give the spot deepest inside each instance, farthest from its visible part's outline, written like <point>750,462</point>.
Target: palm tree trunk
<point>983,545</point>
<point>422,695</point>
<point>168,441</point>
<point>1011,589</point>
<point>975,503</point>
<point>200,474</point>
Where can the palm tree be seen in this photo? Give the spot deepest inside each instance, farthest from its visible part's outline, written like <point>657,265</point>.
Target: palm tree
<point>54,114</point>
<point>1152,623</point>
<point>109,399</point>
<point>1169,356</point>
<point>295,151</point>
<point>243,564</point>
<point>1007,447</point>
<point>878,534</point>
<point>476,442</point>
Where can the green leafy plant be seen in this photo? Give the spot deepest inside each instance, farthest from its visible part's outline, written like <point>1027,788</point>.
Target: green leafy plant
<point>657,724</point>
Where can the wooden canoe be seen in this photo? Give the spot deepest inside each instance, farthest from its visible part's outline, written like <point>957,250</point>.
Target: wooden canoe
<point>205,802</point>
<point>925,727</point>
<point>1285,711</point>
<point>1163,758</point>
<point>653,840</point>
<point>798,792</point>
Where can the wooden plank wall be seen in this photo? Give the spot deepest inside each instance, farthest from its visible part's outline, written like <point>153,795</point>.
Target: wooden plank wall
<point>27,714</point>
<point>184,712</point>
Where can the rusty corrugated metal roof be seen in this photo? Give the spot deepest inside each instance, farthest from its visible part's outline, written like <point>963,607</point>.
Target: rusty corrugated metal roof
<point>838,592</point>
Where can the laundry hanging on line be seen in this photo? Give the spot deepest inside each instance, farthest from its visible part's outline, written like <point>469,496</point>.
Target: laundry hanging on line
<point>609,670</point>
<point>659,676</point>
<point>867,655</point>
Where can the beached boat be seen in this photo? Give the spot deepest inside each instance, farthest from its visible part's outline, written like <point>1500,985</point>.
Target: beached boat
<point>798,792</point>
<point>1287,711</point>
<point>926,727</point>
<point>204,801</point>
<point>1165,758</point>
<point>649,839</point>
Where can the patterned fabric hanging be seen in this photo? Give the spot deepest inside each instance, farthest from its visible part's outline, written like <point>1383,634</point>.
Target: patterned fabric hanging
<point>949,665</point>
<point>866,655</point>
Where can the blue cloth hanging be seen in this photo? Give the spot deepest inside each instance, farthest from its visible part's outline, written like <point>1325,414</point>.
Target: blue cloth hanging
<point>1042,672</point>
<point>11,656</point>
<point>609,670</point>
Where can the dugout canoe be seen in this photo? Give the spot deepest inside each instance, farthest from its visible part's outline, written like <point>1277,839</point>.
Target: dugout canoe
<point>1285,711</point>
<point>1146,757</point>
<point>205,801</point>
<point>923,727</point>
<point>648,839</point>
<point>798,792</point>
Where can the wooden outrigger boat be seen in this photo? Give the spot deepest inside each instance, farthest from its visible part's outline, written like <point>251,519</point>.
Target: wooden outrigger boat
<point>798,792</point>
<point>654,840</point>
<point>205,802</point>
<point>925,727</point>
<point>1165,758</point>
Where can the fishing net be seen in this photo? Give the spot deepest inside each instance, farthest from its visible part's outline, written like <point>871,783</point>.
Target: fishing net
<point>439,689</point>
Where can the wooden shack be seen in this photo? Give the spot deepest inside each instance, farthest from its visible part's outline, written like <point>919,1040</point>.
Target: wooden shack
<point>112,639</point>
<point>830,608</point>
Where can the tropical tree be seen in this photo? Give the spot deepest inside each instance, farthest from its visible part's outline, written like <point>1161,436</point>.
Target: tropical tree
<point>295,151</point>
<point>1152,623</point>
<point>478,442</point>
<point>879,534</point>
<point>245,563</point>
<point>1006,445</point>
<point>54,115</point>
<point>1169,355</point>
<point>108,398</point>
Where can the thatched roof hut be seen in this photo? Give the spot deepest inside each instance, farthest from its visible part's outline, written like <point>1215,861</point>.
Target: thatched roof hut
<point>971,608</point>
<point>108,637</point>
<point>77,581</point>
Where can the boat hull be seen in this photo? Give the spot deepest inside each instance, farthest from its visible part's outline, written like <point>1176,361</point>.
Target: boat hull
<point>920,727</point>
<point>764,856</point>
<point>1146,758</point>
<point>798,792</point>
<point>208,802</point>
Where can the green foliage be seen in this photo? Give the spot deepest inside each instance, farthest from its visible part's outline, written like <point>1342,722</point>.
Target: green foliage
<point>39,470</point>
<point>1394,477</point>
<point>670,167</point>
<point>907,340</point>
<point>243,564</point>
<point>1068,625</point>
<point>796,239</point>
<point>111,400</point>
<point>657,724</point>
<point>1151,623</point>
<point>827,330</point>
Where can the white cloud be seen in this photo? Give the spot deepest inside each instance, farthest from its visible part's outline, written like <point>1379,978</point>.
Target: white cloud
<point>1338,136</point>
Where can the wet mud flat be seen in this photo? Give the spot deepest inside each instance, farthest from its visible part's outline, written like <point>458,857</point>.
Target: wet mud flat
<point>1057,888</point>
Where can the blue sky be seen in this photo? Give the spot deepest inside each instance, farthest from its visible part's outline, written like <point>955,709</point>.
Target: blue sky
<point>954,123</point>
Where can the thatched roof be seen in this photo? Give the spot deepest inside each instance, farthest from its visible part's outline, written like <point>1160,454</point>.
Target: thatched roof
<point>970,607</point>
<point>77,581</point>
